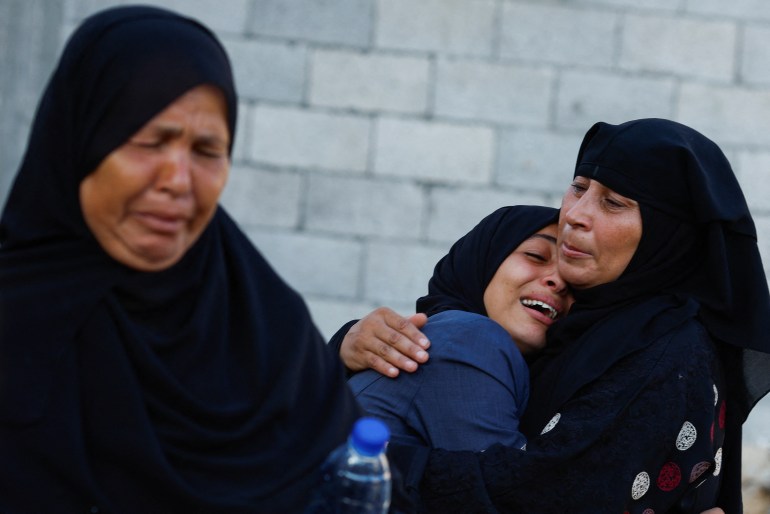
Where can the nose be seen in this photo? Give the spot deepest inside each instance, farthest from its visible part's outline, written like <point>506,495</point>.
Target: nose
<point>577,214</point>
<point>554,282</point>
<point>175,176</point>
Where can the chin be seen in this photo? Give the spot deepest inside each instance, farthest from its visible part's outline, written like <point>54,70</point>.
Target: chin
<point>148,260</point>
<point>529,345</point>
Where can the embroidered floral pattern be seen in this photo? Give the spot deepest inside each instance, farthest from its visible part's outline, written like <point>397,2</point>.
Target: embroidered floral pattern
<point>698,470</point>
<point>640,486</point>
<point>655,420</point>
<point>669,477</point>
<point>551,424</point>
<point>687,436</point>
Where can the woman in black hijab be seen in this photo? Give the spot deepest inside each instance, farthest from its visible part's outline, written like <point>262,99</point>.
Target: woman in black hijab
<point>134,381</point>
<point>490,302</point>
<point>638,402</point>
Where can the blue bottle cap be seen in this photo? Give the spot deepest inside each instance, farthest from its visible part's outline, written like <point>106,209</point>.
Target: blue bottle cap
<point>369,436</point>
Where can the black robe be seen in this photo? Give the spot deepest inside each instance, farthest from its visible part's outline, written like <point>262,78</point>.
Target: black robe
<point>204,387</point>
<point>638,400</point>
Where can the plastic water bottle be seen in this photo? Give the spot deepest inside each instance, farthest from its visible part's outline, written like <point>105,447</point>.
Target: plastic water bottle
<point>356,475</point>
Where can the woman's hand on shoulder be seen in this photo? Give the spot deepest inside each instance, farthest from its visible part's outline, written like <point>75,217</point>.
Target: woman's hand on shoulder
<point>386,342</point>
<point>715,510</point>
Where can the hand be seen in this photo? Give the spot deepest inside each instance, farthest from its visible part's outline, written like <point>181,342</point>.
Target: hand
<point>386,342</point>
<point>715,510</point>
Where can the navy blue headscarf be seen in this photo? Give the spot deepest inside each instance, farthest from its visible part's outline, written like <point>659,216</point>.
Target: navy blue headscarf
<point>462,275</point>
<point>204,387</point>
<point>698,258</point>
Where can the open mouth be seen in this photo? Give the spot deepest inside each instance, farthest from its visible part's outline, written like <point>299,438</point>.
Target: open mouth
<point>541,306</point>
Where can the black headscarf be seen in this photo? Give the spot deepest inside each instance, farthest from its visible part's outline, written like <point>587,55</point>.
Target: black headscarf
<point>461,277</point>
<point>697,258</point>
<point>204,387</point>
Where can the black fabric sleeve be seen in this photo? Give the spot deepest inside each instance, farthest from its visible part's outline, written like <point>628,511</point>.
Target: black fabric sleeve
<point>598,456</point>
<point>336,342</point>
<point>407,466</point>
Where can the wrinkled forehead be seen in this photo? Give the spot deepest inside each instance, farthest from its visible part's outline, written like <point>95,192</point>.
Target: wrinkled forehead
<point>134,62</point>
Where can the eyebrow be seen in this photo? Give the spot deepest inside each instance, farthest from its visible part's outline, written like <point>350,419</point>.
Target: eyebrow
<point>548,238</point>
<point>174,131</point>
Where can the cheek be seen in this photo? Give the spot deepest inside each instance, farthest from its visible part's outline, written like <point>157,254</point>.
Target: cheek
<point>99,202</point>
<point>628,237</point>
<point>209,188</point>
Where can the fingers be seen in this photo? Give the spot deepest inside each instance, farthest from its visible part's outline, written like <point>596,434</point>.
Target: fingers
<point>418,320</point>
<point>386,342</point>
<point>403,336</point>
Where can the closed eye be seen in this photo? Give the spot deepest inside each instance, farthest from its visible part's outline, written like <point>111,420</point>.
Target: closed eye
<point>147,143</point>
<point>536,256</point>
<point>213,153</point>
<point>578,189</point>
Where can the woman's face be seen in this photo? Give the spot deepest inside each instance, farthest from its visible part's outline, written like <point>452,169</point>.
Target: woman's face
<point>526,294</point>
<point>151,198</point>
<point>599,231</point>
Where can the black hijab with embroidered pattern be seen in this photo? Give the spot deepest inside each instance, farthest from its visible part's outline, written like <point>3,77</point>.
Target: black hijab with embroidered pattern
<point>698,258</point>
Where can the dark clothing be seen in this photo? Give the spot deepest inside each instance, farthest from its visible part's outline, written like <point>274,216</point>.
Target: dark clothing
<point>458,284</point>
<point>644,435</point>
<point>468,396</point>
<point>204,387</point>
<point>463,274</point>
<point>698,239</point>
<point>699,242</point>
<point>619,369</point>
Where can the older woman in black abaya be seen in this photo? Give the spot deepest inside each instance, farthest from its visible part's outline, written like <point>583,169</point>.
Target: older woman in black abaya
<point>638,401</point>
<point>150,359</point>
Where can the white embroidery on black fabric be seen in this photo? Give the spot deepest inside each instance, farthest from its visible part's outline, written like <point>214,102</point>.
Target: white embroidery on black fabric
<point>554,421</point>
<point>687,436</point>
<point>640,486</point>
<point>716,395</point>
<point>718,462</point>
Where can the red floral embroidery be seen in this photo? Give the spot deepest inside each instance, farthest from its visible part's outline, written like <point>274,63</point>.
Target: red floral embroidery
<point>670,476</point>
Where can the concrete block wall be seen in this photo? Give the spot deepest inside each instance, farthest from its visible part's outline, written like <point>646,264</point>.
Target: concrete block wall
<point>373,133</point>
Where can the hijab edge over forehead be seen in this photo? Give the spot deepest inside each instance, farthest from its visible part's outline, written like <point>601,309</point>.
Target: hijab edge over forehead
<point>183,360</point>
<point>98,96</point>
<point>688,196</point>
<point>679,176</point>
<point>698,246</point>
<point>463,274</point>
